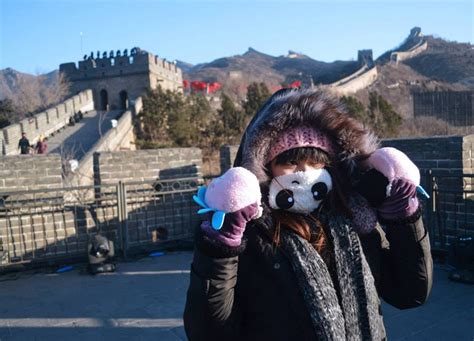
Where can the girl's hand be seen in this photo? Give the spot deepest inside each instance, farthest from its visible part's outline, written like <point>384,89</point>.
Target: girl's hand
<point>233,199</point>
<point>233,226</point>
<point>391,184</point>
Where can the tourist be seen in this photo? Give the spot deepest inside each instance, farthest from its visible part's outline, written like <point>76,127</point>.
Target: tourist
<point>319,222</point>
<point>24,144</point>
<point>42,145</point>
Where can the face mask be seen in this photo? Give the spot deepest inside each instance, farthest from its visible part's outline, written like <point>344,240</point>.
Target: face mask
<point>300,192</point>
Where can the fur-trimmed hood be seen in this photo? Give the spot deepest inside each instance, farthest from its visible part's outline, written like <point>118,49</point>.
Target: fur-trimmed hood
<point>289,108</point>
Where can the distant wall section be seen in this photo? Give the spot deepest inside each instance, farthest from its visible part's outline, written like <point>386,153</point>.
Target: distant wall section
<point>454,107</point>
<point>46,122</point>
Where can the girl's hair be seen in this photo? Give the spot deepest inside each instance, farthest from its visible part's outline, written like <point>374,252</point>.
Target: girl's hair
<point>336,200</point>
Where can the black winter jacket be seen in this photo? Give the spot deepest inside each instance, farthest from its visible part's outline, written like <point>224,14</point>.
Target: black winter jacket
<point>251,293</point>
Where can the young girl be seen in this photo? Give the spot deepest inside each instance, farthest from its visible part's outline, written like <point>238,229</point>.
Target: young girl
<point>312,225</point>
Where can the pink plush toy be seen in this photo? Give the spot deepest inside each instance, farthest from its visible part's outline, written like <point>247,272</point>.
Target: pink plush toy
<point>394,164</point>
<point>235,189</point>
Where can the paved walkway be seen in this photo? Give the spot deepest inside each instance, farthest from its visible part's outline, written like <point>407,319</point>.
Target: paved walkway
<point>75,141</point>
<point>144,300</point>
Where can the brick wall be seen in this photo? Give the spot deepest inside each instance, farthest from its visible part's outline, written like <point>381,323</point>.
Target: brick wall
<point>227,157</point>
<point>27,172</point>
<point>139,165</point>
<point>44,123</point>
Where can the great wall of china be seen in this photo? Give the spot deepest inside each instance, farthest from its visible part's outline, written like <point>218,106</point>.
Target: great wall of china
<point>112,168</point>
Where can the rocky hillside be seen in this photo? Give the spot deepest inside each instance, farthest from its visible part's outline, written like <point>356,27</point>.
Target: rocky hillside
<point>236,72</point>
<point>446,61</point>
<point>11,81</point>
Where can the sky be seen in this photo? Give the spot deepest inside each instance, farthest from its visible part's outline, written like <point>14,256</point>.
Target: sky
<point>38,35</point>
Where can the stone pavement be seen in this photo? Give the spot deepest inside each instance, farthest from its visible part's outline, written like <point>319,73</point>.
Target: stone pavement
<point>144,300</point>
<point>75,141</point>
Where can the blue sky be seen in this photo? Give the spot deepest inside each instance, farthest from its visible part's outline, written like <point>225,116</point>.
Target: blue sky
<point>37,35</point>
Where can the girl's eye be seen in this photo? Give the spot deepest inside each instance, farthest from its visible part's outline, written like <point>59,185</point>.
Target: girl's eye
<point>293,162</point>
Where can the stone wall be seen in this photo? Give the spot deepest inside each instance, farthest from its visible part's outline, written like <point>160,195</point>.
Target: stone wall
<point>30,172</point>
<point>360,81</point>
<point>450,210</point>
<point>360,71</point>
<point>121,137</point>
<point>449,155</point>
<point>45,123</point>
<point>147,165</point>
<point>137,213</point>
<point>399,56</point>
<point>227,157</point>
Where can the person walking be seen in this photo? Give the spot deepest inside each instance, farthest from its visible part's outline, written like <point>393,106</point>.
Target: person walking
<point>24,144</point>
<point>312,225</point>
<point>42,145</point>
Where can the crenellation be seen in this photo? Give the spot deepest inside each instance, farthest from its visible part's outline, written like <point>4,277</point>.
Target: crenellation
<point>133,73</point>
<point>69,107</point>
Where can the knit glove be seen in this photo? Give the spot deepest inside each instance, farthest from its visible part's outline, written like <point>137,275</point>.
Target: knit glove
<point>391,184</point>
<point>233,199</point>
<point>233,227</point>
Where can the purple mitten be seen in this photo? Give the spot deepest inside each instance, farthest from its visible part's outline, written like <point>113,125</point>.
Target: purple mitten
<point>403,178</point>
<point>233,227</point>
<point>402,201</point>
<point>235,199</point>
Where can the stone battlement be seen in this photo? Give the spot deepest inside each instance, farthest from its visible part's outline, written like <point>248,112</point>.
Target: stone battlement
<point>118,77</point>
<point>121,65</point>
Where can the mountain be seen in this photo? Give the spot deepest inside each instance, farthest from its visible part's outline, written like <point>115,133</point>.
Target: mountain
<point>442,65</point>
<point>236,72</point>
<point>11,81</point>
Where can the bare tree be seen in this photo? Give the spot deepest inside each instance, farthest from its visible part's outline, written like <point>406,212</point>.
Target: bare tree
<point>38,93</point>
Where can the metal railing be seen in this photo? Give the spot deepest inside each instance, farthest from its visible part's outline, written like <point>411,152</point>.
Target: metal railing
<point>450,210</point>
<point>55,225</point>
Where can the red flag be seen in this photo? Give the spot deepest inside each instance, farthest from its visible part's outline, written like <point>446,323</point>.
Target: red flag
<point>185,83</point>
<point>197,85</point>
<point>213,87</point>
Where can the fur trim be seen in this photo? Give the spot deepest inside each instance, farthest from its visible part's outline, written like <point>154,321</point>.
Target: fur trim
<point>290,108</point>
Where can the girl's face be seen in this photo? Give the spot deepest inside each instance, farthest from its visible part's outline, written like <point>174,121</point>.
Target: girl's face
<point>292,166</point>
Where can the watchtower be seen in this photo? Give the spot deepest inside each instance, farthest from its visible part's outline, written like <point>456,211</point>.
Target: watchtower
<point>117,77</point>
<point>365,57</point>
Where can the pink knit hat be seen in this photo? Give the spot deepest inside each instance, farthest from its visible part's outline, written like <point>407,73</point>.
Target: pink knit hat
<point>300,137</point>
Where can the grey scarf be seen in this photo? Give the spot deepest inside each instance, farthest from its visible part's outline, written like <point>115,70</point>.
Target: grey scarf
<point>355,316</point>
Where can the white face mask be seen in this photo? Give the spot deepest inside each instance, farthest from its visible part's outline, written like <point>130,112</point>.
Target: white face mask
<point>300,192</point>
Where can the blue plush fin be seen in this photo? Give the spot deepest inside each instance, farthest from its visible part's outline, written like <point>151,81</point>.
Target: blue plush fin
<point>422,191</point>
<point>218,220</point>
<point>198,201</point>
<point>202,193</point>
<point>205,210</point>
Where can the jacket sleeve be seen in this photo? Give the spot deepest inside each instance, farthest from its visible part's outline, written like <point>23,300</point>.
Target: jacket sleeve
<point>400,258</point>
<point>211,310</point>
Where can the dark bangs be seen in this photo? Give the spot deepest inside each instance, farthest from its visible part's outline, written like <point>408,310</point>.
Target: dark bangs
<point>303,154</point>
